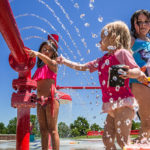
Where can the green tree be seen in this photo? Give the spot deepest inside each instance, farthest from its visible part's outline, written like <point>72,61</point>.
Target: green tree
<point>135,125</point>
<point>11,127</point>
<point>95,127</point>
<point>35,124</point>
<point>3,129</point>
<point>81,125</point>
<point>74,132</point>
<point>63,130</point>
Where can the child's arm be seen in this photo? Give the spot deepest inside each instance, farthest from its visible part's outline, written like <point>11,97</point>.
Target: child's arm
<point>51,63</point>
<point>133,70</point>
<point>134,73</point>
<point>73,65</point>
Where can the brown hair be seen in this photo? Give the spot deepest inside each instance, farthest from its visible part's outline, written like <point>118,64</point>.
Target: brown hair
<point>135,16</point>
<point>53,46</point>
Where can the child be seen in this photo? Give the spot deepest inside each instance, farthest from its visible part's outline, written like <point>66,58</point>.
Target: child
<point>45,76</point>
<point>140,30</point>
<point>118,101</point>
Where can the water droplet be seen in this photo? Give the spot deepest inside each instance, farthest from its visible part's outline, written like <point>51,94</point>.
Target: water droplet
<point>103,65</point>
<point>98,45</point>
<point>91,6</point>
<point>110,140</point>
<point>94,35</point>
<point>97,96</point>
<point>81,59</point>
<point>107,62</point>
<point>88,51</point>
<point>111,100</point>
<point>110,94</point>
<point>99,73</point>
<point>97,103</point>
<point>86,24</point>
<point>136,108</point>
<point>117,88</point>
<point>119,123</point>
<point>96,65</point>
<point>100,19</point>
<point>122,139</point>
<point>128,122</point>
<point>118,130</point>
<point>114,78</point>
<point>82,16</point>
<point>106,32</point>
<point>104,82</point>
<point>76,5</point>
<point>114,106</point>
<point>120,103</point>
<point>111,47</point>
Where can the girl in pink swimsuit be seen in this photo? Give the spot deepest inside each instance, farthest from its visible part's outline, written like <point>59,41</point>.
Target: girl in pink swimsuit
<point>45,76</point>
<point>118,101</point>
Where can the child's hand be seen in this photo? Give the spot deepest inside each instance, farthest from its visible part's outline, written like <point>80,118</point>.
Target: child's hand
<point>143,78</point>
<point>124,72</point>
<point>31,53</point>
<point>60,59</point>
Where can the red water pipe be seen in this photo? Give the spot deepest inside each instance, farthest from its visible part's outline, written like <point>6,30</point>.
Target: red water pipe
<point>78,87</point>
<point>23,64</point>
<point>10,33</point>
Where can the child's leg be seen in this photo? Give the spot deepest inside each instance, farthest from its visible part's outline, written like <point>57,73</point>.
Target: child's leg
<point>109,133</point>
<point>142,94</point>
<point>123,123</point>
<point>52,124</point>
<point>41,114</point>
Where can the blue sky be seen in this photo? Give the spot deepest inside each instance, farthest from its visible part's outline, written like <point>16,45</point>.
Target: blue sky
<point>78,23</point>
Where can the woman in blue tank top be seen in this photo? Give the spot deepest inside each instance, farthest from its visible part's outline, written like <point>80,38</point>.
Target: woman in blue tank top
<point>140,30</point>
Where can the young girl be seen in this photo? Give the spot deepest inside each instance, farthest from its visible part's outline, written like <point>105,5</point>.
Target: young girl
<point>140,30</point>
<point>118,101</point>
<point>45,76</point>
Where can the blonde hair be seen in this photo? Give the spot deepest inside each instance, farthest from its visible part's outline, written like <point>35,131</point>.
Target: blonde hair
<point>117,34</point>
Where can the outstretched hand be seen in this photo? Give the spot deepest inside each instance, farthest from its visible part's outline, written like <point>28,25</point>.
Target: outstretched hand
<point>60,59</point>
<point>31,53</point>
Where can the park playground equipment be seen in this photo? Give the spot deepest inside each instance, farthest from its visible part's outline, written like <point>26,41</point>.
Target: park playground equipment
<point>23,99</point>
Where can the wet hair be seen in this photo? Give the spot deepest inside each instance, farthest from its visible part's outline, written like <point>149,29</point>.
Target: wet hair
<point>118,35</point>
<point>53,46</point>
<point>135,16</point>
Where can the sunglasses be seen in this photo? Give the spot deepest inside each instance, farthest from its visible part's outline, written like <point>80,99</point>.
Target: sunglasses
<point>143,22</point>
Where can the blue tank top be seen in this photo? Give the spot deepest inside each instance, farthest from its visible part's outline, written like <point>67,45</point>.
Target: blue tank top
<point>141,53</point>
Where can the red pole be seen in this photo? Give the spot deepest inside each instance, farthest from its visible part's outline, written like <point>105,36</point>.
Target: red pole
<point>9,30</point>
<point>23,134</point>
<point>78,87</point>
<point>21,63</point>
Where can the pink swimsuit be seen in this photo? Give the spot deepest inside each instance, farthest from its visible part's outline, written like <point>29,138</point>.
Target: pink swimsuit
<point>44,73</point>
